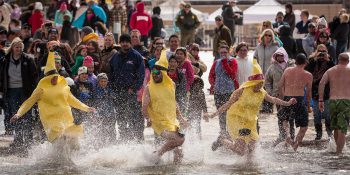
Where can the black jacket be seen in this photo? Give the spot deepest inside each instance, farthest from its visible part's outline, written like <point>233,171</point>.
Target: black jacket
<point>289,43</point>
<point>29,74</point>
<point>228,16</point>
<point>341,33</point>
<point>156,27</point>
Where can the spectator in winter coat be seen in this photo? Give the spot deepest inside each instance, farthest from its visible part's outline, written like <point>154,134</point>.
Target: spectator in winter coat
<point>341,35</point>
<point>198,65</point>
<point>104,6</point>
<point>264,51</point>
<point>95,52</point>
<point>280,62</point>
<point>18,79</point>
<point>157,22</point>
<point>95,22</point>
<point>188,23</point>
<point>37,18</point>
<point>69,34</point>
<point>79,58</point>
<point>60,69</point>
<point>321,26</point>
<point>83,87</point>
<point>288,41</point>
<point>222,33</point>
<point>119,15</point>
<point>136,38</point>
<point>89,64</point>
<point>229,17</point>
<point>107,53</point>
<point>60,13</point>
<point>309,40</point>
<point>141,21</point>
<point>289,17</point>
<point>26,36</point>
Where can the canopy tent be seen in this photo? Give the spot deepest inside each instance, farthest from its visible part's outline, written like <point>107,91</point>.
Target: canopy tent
<point>261,11</point>
<point>211,17</point>
<point>171,8</point>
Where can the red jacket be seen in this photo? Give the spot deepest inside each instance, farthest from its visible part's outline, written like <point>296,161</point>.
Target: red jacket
<point>36,20</point>
<point>141,20</point>
<point>230,68</point>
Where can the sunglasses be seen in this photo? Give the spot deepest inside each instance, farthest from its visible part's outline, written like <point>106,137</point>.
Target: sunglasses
<point>155,72</point>
<point>195,49</point>
<point>223,52</point>
<point>159,43</point>
<point>268,35</point>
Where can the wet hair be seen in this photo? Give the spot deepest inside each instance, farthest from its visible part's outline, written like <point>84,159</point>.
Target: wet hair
<point>173,36</point>
<point>300,59</point>
<point>240,45</point>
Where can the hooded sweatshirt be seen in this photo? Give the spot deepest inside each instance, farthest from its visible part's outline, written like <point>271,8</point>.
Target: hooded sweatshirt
<point>275,71</point>
<point>141,20</point>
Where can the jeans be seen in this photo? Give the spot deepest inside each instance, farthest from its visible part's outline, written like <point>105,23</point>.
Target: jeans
<point>129,117</point>
<point>23,127</point>
<point>318,115</point>
<point>221,99</point>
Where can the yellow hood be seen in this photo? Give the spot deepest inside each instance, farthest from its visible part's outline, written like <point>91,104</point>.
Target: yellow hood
<point>50,63</point>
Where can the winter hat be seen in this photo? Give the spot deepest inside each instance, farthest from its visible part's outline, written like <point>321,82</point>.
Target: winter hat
<point>63,7</point>
<point>38,6</point>
<point>322,21</point>
<point>57,57</point>
<point>88,61</point>
<point>102,76</point>
<point>70,81</point>
<point>87,30</point>
<point>82,70</point>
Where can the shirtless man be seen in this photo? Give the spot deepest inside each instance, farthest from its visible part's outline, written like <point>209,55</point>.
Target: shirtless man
<point>339,79</point>
<point>292,85</point>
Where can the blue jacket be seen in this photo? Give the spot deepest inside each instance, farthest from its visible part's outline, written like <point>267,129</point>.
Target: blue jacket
<point>127,71</point>
<point>104,101</point>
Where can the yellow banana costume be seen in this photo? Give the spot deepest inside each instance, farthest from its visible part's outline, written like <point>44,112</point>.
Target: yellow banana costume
<point>162,107</point>
<point>243,113</point>
<point>54,102</point>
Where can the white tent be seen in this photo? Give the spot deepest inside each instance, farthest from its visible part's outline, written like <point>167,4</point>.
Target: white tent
<point>211,17</point>
<point>261,11</point>
<point>171,8</point>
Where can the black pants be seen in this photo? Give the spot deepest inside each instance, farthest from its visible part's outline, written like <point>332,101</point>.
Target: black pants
<point>221,99</point>
<point>129,117</point>
<point>144,39</point>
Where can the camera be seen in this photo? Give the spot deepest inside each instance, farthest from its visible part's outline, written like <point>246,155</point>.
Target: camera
<point>322,54</point>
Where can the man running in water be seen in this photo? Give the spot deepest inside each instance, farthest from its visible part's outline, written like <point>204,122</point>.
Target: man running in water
<point>292,84</point>
<point>339,104</point>
<point>161,112</point>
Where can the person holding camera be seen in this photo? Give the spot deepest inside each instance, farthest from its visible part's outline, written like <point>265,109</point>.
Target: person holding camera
<point>320,62</point>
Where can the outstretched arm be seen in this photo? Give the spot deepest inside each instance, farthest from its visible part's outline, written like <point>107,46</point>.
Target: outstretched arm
<point>278,101</point>
<point>75,103</point>
<point>234,97</point>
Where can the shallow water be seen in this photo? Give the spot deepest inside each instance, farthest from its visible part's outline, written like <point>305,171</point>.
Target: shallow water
<point>198,158</point>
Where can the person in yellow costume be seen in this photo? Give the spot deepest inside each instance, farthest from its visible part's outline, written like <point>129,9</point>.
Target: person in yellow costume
<point>161,111</point>
<point>242,110</point>
<point>54,102</point>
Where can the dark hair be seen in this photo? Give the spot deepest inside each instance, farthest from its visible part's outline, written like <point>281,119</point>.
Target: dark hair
<point>172,56</point>
<point>173,36</point>
<point>306,12</point>
<point>156,10</point>
<point>125,38</point>
<point>95,45</point>
<point>279,13</point>
<point>289,5</point>
<point>300,59</point>
<point>240,45</point>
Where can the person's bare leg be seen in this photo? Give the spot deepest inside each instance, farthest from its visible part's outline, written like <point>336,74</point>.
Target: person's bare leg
<point>251,149</point>
<point>237,147</point>
<point>286,130</point>
<point>340,141</point>
<point>336,135</point>
<point>172,141</point>
<point>299,137</point>
<point>178,155</point>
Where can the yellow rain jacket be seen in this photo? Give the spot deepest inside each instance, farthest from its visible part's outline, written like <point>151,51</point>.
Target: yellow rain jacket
<point>243,113</point>
<point>162,107</point>
<point>54,102</point>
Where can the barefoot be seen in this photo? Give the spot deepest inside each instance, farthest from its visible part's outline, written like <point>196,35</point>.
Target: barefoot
<point>178,155</point>
<point>289,141</point>
<point>295,145</point>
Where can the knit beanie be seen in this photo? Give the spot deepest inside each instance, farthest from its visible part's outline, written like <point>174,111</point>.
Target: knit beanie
<point>82,70</point>
<point>88,61</point>
<point>102,76</point>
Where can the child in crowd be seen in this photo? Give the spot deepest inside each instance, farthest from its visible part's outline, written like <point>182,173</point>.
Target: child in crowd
<point>89,63</point>
<point>80,55</point>
<point>104,99</point>
<point>197,105</point>
<point>83,87</point>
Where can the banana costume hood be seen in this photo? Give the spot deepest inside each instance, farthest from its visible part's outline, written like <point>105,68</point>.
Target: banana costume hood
<point>54,102</point>
<point>243,113</point>
<point>162,107</point>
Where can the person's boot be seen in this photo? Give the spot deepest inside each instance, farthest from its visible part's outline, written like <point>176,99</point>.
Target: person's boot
<point>318,128</point>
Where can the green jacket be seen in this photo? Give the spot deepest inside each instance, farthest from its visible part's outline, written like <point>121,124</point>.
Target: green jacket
<point>187,22</point>
<point>78,63</point>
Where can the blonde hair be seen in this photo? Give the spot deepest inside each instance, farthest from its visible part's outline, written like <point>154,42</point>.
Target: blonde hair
<point>344,18</point>
<point>264,32</point>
